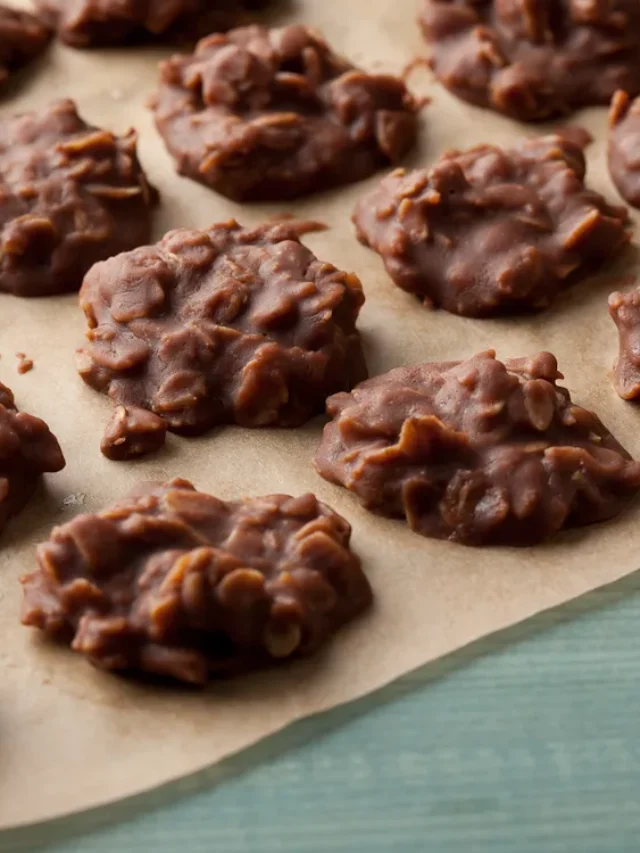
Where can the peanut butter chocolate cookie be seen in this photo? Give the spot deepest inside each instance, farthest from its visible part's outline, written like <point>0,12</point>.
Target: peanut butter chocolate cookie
<point>260,114</point>
<point>492,231</point>
<point>177,583</point>
<point>534,59</point>
<point>70,194</point>
<point>477,451</point>
<point>225,325</point>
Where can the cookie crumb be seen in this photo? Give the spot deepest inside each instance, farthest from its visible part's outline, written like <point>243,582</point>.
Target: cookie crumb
<point>24,364</point>
<point>76,499</point>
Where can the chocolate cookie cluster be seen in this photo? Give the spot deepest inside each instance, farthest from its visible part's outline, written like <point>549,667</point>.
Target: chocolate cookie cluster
<point>273,114</point>
<point>91,23</point>
<point>28,449</point>
<point>477,451</point>
<point>177,583</point>
<point>225,325</point>
<point>23,37</point>
<point>490,230</point>
<point>534,59</point>
<point>71,194</point>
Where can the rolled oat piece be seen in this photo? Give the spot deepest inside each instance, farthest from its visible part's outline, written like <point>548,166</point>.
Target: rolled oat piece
<point>260,114</point>
<point>70,195</point>
<point>176,583</point>
<point>493,231</point>
<point>477,451</point>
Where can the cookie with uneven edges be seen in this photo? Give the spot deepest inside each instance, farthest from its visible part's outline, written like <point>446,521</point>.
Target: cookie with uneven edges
<point>491,230</point>
<point>223,325</point>
<point>94,23</point>
<point>624,146</point>
<point>267,114</point>
<point>28,449</point>
<point>71,194</point>
<point>177,583</point>
<point>477,451</point>
<point>534,59</point>
<point>23,37</point>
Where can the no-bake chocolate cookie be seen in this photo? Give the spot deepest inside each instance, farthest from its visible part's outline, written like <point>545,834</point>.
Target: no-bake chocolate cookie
<point>534,59</point>
<point>492,231</point>
<point>624,146</point>
<point>22,38</point>
<point>177,583</point>
<point>476,451</point>
<point>28,449</point>
<point>89,23</point>
<point>274,114</point>
<point>225,325</point>
<point>625,312</point>
<point>70,195</point>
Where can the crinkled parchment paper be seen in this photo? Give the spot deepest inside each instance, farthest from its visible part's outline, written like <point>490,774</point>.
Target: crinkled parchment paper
<point>72,737</point>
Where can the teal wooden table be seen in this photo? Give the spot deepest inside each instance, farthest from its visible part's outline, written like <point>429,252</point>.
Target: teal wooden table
<point>525,743</point>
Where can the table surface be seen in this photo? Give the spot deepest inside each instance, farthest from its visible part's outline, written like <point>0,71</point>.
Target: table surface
<point>525,742</point>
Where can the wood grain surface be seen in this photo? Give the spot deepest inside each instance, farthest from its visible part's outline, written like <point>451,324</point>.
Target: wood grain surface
<point>524,743</point>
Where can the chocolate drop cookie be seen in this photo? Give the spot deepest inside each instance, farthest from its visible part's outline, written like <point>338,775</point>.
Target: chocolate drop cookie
<point>176,583</point>
<point>476,451</point>
<point>534,59</point>
<point>94,23</point>
<point>492,231</point>
<point>225,325</point>
<point>261,114</point>
<point>70,194</point>
<point>28,449</point>
<point>23,37</point>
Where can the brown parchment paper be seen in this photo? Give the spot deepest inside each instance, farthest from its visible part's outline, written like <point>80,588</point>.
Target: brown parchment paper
<point>72,737</point>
